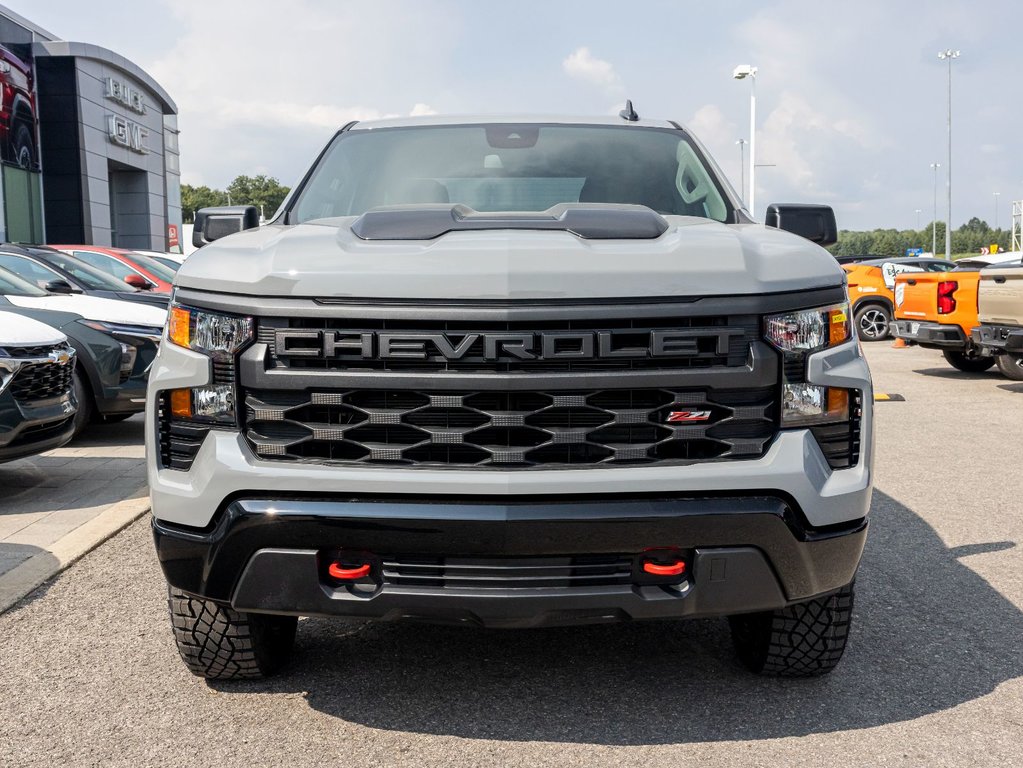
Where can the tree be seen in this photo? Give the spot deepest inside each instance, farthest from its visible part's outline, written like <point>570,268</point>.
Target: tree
<point>194,198</point>
<point>266,193</point>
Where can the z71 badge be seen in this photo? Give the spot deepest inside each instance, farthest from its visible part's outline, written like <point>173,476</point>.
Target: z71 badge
<point>675,417</point>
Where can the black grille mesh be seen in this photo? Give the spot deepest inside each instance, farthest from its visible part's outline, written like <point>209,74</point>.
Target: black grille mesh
<point>509,429</point>
<point>40,381</point>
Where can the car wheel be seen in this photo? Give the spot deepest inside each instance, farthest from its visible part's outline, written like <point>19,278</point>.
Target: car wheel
<point>22,146</point>
<point>219,643</point>
<point>968,363</point>
<point>873,322</point>
<point>802,640</point>
<point>1011,367</point>
<point>84,397</point>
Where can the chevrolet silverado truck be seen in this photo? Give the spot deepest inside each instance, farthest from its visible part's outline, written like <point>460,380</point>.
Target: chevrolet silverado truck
<point>938,310</point>
<point>1001,317</point>
<point>510,373</point>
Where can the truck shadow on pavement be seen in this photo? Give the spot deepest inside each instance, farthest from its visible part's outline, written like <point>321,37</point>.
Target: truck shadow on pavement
<point>951,373</point>
<point>929,634</point>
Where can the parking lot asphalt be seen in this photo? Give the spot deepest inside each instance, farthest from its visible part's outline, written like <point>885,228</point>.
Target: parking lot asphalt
<point>933,675</point>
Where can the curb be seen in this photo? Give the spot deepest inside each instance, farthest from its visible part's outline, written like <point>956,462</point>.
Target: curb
<point>43,566</point>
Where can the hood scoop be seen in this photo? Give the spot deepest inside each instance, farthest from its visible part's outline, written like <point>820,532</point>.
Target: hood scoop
<point>590,221</point>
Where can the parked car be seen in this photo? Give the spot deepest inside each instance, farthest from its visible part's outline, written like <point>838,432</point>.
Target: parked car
<point>938,310</point>
<point>136,269</point>
<point>1001,317</point>
<point>116,342</point>
<point>37,403</point>
<point>17,112</point>
<point>172,261</point>
<point>872,290</point>
<point>59,272</point>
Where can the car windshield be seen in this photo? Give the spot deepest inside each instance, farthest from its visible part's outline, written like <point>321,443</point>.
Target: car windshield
<point>12,285</point>
<point>88,276</point>
<point>511,167</point>
<point>152,266</point>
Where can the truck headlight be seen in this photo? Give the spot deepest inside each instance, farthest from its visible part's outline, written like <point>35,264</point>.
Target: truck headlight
<point>796,335</point>
<point>211,333</point>
<point>220,337</point>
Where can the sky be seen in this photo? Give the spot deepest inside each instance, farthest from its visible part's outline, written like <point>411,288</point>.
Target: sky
<point>851,97</point>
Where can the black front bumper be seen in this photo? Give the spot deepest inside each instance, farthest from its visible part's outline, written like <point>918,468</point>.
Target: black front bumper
<point>999,339</point>
<point>28,428</point>
<point>931,335</point>
<point>743,554</point>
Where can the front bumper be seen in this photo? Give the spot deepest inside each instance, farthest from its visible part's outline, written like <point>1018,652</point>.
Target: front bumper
<point>999,339</point>
<point>744,553</point>
<point>932,335</point>
<point>29,428</point>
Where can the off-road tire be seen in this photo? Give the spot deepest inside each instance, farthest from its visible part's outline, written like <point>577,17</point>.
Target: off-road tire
<point>23,146</point>
<point>1011,367</point>
<point>802,640</point>
<point>873,322</point>
<point>968,363</point>
<point>219,643</point>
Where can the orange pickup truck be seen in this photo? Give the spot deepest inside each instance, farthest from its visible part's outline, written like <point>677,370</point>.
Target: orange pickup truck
<point>939,311</point>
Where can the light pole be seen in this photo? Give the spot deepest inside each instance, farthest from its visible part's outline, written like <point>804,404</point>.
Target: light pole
<point>918,219</point>
<point>741,72</point>
<point>934,223</point>
<point>996,194</point>
<point>742,167</point>
<point>948,55</point>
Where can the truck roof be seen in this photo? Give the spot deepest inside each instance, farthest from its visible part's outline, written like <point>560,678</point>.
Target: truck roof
<point>425,120</point>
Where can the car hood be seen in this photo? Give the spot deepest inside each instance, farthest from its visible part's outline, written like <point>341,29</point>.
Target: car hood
<point>95,308</point>
<point>694,257</point>
<point>25,332</point>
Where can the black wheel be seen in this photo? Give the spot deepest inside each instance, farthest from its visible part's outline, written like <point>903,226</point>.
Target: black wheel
<point>84,397</point>
<point>1011,367</point>
<point>873,322</point>
<point>219,643</point>
<point>968,363</point>
<point>22,146</point>
<point>803,640</point>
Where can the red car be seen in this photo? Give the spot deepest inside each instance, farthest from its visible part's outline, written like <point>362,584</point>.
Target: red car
<point>136,269</point>
<point>17,112</point>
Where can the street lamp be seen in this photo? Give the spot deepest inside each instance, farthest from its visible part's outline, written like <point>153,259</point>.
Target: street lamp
<point>742,167</point>
<point>934,223</point>
<point>741,72</point>
<point>918,219</point>
<point>996,194</point>
<point>948,55</point>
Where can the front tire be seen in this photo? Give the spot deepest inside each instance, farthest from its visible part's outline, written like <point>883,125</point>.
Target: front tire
<point>85,406</point>
<point>968,363</point>
<point>873,322</point>
<point>1011,367</point>
<point>220,643</point>
<point>23,147</point>
<point>803,640</point>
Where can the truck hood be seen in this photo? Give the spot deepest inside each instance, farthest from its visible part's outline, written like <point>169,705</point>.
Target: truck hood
<point>94,308</point>
<point>17,331</point>
<point>694,257</point>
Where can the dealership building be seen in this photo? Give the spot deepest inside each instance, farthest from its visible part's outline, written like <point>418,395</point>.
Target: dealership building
<point>88,145</point>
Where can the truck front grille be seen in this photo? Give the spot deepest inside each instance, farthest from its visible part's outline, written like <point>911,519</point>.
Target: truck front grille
<point>510,429</point>
<point>507,573</point>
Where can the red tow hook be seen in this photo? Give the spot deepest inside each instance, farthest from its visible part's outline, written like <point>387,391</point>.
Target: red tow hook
<point>671,569</point>
<point>339,572</point>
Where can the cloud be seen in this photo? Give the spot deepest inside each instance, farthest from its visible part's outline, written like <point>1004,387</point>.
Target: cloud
<point>583,65</point>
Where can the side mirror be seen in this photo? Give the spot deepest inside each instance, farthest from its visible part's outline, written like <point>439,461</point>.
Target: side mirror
<point>214,223</point>
<point>139,282</point>
<point>59,286</point>
<point>814,222</point>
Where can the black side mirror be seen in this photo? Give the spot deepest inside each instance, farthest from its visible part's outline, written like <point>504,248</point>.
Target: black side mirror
<point>814,222</point>
<point>214,223</point>
<point>59,286</point>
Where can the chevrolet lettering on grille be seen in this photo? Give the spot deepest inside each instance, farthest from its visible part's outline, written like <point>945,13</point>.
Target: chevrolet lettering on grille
<point>554,345</point>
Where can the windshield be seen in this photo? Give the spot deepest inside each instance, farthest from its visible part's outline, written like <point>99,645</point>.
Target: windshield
<point>88,276</point>
<point>519,167</point>
<point>12,285</point>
